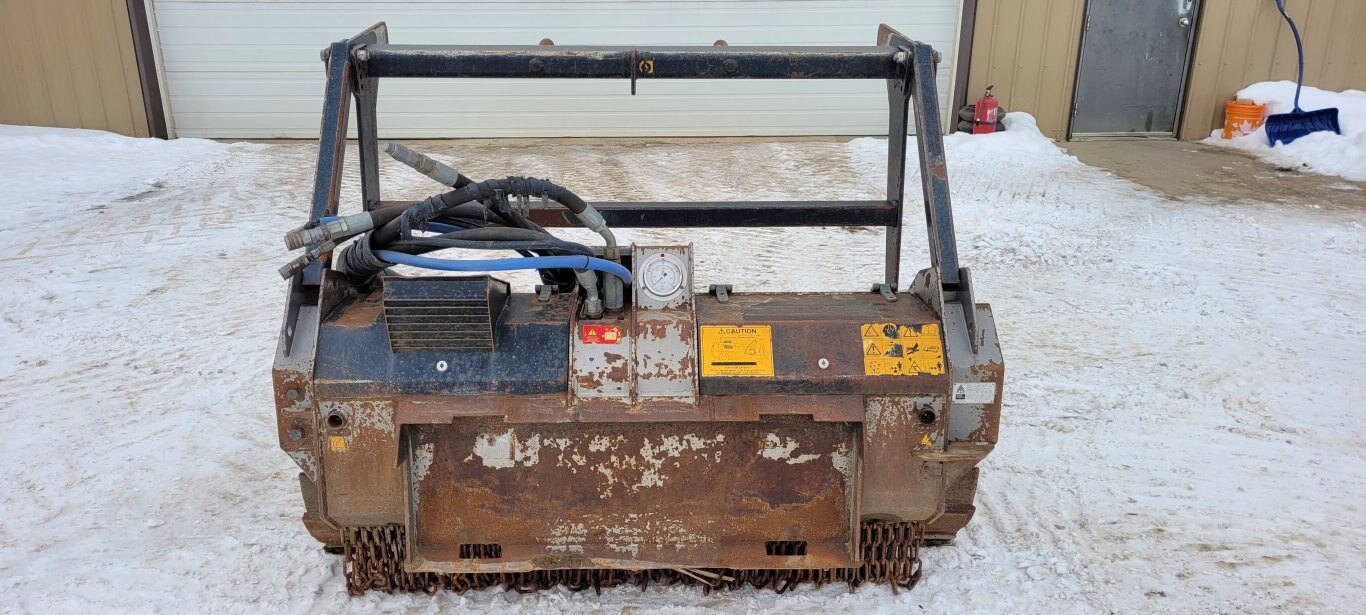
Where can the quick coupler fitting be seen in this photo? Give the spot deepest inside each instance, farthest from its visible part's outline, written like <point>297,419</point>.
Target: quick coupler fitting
<point>329,229</point>
<point>304,260</point>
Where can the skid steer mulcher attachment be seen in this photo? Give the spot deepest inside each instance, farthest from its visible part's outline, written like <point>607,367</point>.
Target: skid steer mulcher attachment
<point>613,426</point>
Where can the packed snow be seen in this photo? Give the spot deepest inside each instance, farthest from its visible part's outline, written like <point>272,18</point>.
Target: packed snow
<point>1182,430</point>
<point>1323,152</point>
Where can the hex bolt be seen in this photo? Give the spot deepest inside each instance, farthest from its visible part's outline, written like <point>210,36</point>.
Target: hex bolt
<point>296,434</point>
<point>730,67</point>
<point>292,393</point>
<point>362,54</point>
<point>927,416</point>
<point>536,65</point>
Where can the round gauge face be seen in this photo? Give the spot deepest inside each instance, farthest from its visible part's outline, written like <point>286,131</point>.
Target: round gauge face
<point>663,275</point>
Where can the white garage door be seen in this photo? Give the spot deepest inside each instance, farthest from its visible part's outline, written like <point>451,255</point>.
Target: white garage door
<point>250,68</point>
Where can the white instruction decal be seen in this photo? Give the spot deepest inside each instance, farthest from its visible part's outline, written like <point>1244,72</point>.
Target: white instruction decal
<point>974,392</point>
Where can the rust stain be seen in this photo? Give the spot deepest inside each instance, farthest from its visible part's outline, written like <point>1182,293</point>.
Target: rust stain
<point>364,313</point>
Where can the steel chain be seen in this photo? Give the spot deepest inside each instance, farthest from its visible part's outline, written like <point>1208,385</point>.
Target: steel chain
<point>373,561</point>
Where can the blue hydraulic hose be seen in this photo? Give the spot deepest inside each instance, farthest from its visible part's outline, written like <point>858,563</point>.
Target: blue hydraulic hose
<point>507,264</point>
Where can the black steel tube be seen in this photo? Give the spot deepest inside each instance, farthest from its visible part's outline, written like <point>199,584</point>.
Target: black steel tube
<point>566,62</point>
<point>721,214</point>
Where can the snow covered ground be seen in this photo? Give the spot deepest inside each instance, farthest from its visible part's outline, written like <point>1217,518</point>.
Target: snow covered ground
<point>1183,427</point>
<point>1343,155</point>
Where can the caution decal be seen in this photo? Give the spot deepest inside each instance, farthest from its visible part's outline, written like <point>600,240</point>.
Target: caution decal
<point>736,350</point>
<point>890,349</point>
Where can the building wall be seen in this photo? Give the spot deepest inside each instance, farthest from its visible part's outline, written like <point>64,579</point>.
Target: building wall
<point>1242,42</point>
<point>250,68</point>
<point>70,64</point>
<point>1028,49</point>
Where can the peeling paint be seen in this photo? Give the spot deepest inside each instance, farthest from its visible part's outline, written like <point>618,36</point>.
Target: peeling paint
<point>887,413</point>
<point>567,538</point>
<point>307,462</point>
<point>603,443</point>
<point>669,446</point>
<point>842,460</point>
<point>778,450</point>
<point>422,461</point>
<point>505,450</point>
<point>369,414</point>
<point>628,532</point>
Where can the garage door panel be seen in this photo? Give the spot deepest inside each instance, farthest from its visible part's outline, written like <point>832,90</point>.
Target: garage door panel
<point>251,68</point>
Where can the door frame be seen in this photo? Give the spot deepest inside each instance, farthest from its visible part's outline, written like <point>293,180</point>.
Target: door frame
<point>1197,14</point>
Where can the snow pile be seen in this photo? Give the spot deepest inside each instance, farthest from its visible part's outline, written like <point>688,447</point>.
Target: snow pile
<point>1182,427</point>
<point>50,165</point>
<point>1321,152</point>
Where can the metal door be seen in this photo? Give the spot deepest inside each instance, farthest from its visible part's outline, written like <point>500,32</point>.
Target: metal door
<point>1132,75</point>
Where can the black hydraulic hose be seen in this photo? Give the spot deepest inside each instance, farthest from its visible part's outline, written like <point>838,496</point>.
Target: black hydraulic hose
<point>385,215</point>
<point>552,247</point>
<point>429,208</point>
<point>498,233</point>
<point>437,206</point>
<point>491,238</point>
<point>473,211</point>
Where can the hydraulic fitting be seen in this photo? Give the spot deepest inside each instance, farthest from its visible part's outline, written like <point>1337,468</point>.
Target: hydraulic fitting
<point>329,229</point>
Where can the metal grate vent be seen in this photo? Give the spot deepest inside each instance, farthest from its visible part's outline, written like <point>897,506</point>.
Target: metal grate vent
<point>443,313</point>
<point>481,551</point>
<point>785,547</point>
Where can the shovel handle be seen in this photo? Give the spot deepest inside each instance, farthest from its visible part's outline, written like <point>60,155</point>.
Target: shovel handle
<point>1299,53</point>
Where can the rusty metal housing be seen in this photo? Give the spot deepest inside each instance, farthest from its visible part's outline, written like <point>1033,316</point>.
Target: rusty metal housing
<point>451,432</point>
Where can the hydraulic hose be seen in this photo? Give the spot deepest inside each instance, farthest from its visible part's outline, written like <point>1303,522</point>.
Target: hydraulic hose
<point>474,216</point>
<point>434,207</point>
<point>441,173</point>
<point>338,228</point>
<point>429,244</point>
<point>507,264</point>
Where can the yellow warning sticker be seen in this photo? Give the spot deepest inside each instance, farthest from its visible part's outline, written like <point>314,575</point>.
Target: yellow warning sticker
<point>901,350</point>
<point>737,351</point>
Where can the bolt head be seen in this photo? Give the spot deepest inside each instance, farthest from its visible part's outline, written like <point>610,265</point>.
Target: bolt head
<point>296,434</point>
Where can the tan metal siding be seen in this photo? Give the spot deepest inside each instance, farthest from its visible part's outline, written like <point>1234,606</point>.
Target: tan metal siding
<point>1241,42</point>
<point>1028,50</point>
<point>70,63</point>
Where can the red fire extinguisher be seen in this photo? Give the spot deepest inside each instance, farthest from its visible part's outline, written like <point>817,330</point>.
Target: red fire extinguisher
<point>984,116</point>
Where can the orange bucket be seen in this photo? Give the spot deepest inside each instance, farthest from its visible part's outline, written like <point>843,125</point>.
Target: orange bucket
<point>1242,117</point>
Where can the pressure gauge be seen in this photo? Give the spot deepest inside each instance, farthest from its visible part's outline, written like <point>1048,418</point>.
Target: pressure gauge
<point>662,275</point>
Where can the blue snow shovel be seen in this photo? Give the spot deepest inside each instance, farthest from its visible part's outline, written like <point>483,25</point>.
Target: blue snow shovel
<point>1286,127</point>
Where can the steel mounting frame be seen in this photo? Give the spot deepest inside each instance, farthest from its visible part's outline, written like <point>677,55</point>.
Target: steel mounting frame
<point>355,66</point>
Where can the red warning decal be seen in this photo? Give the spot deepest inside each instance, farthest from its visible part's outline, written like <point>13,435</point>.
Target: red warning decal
<point>601,334</point>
